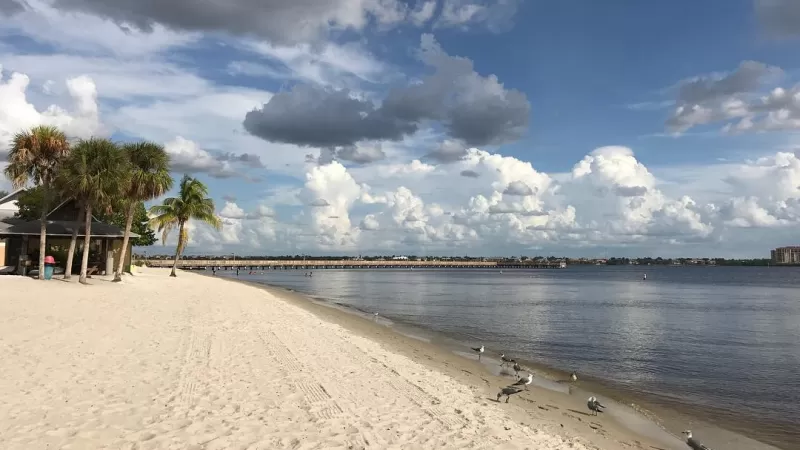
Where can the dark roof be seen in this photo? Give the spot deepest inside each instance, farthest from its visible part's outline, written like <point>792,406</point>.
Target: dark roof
<point>61,228</point>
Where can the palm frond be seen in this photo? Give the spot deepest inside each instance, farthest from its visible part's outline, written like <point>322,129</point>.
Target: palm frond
<point>150,177</point>
<point>191,203</point>
<point>35,155</point>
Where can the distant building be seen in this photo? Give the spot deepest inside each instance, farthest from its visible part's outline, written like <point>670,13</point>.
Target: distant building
<point>400,258</point>
<point>786,255</point>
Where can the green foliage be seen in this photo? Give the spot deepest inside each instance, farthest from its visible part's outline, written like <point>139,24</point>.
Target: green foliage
<point>141,224</point>
<point>149,174</point>
<point>30,204</point>
<point>95,173</point>
<point>191,203</point>
<point>3,193</point>
<point>36,155</point>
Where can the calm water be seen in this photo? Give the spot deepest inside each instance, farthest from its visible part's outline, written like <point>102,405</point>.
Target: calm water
<point>719,339</point>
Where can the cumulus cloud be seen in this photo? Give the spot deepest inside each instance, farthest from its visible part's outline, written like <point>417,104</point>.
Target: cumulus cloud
<point>261,212</point>
<point>609,200</point>
<point>779,17</point>
<point>716,97</point>
<point>369,223</point>
<point>247,159</point>
<point>187,156</point>
<point>495,14</point>
<point>475,110</point>
<point>361,154</point>
<point>518,188</point>
<point>331,221</point>
<point>276,21</point>
<point>447,152</point>
<point>232,211</point>
<point>17,113</point>
<point>11,7</point>
<point>734,100</point>
<point>319,117</point>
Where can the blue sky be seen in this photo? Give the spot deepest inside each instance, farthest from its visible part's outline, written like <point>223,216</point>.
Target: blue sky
<point>486,127</point>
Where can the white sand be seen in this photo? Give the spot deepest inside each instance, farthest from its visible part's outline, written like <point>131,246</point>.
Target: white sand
<point>202,363</point>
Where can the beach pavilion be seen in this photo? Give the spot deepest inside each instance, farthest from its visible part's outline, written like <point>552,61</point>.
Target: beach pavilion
<point>19,239</point>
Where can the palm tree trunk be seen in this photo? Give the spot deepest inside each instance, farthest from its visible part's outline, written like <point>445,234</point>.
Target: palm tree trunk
<point>125,239</point>
<point>178,250</point>
<point>86,241</point>
<point>73,243</point>
<point>43,228</point>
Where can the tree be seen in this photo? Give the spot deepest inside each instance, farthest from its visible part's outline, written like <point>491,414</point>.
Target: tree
<point>95,173</point>
<point>191,203</point>
<point>36,156</point>
<point>149,178</point>
<point>3,193</point>
<point>140,225</point>
<point>30,203</point>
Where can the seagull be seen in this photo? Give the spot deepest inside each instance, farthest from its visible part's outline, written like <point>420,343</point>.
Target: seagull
<point>573,377</point>
<point>524,381</point>
<point>479,351</point>
<point>594,405</point>
<point>691,442</point>
<point>517,368</point>
<point>506,360</point>
<point>508,392</point>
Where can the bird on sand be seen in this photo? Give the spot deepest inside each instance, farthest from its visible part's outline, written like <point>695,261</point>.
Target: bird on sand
<point>506,360</point>
<point>479,351</point>
<point>524,381</point>
<point>694,443</point>
<point>508,391</point>
<point>517,369</point>
<point>573,377</point>
<point>594,405</point>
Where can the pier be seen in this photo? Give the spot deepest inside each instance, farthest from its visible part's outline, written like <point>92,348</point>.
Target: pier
<point>270,264</point>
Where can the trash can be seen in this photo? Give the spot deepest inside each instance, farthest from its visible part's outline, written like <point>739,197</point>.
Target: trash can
<point>49,267</point>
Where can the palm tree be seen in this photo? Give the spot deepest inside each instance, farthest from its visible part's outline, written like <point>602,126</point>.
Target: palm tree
<point>191,203</point>
<point>149,178</point>
<point>36,155</point>
<point>95,174</point>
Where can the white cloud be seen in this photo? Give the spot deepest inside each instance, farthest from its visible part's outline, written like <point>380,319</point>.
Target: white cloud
<point>733,100</point>
<point>330,64</point>
<point>17,113</point>
<point>232,211</point>
<point>87,33</point>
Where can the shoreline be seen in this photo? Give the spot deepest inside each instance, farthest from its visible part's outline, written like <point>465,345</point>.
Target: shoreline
<point>667,418</point>
<point>195,362</point>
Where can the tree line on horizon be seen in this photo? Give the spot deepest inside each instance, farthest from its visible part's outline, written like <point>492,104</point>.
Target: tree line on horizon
<point>108,180</point>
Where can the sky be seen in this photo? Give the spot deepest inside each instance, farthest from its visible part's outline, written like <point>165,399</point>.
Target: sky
<point>437,127</point>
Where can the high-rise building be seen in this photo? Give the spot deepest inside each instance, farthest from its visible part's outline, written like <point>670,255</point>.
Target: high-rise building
<point>786,255</point>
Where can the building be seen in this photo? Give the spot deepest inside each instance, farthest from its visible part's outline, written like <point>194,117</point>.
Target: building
<point>786,255</point>
<point>19,239</point>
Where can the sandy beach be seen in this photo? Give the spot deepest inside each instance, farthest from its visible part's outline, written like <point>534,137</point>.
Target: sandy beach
<point>197,362</point>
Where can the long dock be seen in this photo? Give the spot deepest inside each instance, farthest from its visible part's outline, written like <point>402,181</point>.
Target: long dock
<point>275,264</point>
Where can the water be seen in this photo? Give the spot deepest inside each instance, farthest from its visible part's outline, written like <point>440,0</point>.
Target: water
<point>721,342</point>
